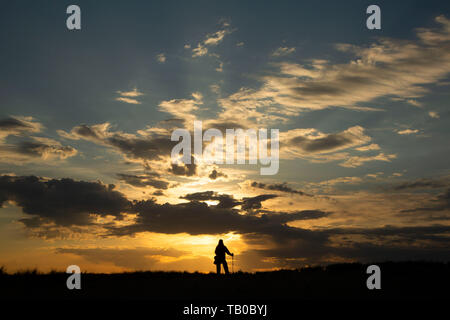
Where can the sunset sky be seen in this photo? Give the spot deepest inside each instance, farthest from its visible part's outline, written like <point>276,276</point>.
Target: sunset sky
<point>86,118</point>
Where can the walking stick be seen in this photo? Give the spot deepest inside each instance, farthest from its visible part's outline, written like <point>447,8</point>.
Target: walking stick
<point>232,263</point>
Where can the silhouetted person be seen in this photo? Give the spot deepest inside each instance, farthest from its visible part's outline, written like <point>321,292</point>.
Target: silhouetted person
<point>220,257</point>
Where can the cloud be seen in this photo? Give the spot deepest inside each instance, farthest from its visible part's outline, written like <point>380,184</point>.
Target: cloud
<point>129,96</point>
<point>144,180</point>
<point>414,103</point>
<point>356,161</point>
<point>215,88</point>
<point>381,248</point>
<point>149,144</point>
<point>408,131</point>
<point>440,203</point>
<point>28,148</point>
<point>128,100</point>
<point>199,51</point>
<point>62,201</point>
<point>255,202</point>
<point>66,202</point>
<point>422,184</point>
<point>282,187</point>
<point>184,169</point>
<point>225,200</point>
<point>43,149</point>
<point>344,180</point>
<point>436,36</point>
<point>385,68</point>
<point>318,147</point>
<point>283,51</point>
<point>161,58</point>
<point>369,147</point>
<point>216,174</point>
<point>133,93</point>
<point>18,126</point>
<point>197,218</point>
<point>220,67</point>
<point>215,38</point>
<point>183,108</point>
<point>212,39</point>
<point>434,114</point>
<point>313,141</point>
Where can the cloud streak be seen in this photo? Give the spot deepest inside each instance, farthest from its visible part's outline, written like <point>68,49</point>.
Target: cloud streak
<point>386,68</point>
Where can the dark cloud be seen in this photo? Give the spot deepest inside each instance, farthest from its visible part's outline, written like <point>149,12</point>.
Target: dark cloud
<point>62,201</point>
<point>439,203</point>
<point>70,203</point>
<point>197,217</point>
<point>255,202</point>
<point>422,184</point>
<point>87,132</point>
<point>223,125</point>
<point>330,142</point>
<point>146,146</point>
<point>183,170</point>
<point>283,187</point>
<point>18,126</point>
<point>29,148</point>
<point>143,181</point>
<point>143,149</point>
<point>12,124</point>
<point>225,200</point>
<point>380,244</point>
<point>32,150</point>
<point>216,174</point>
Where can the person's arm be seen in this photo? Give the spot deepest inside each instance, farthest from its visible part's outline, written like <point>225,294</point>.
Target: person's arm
<point>227,251</point>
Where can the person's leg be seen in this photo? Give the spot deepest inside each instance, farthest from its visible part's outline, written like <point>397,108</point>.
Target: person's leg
<point>225,267</point>
<point>218,268</point>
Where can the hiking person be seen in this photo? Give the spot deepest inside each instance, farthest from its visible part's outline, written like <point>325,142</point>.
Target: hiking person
<point>220,257</point>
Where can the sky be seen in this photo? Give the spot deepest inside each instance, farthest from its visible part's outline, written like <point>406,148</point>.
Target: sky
<point>86,119</point>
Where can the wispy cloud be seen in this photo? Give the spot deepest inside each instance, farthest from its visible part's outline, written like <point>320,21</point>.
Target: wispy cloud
<point>18,126</point>
<point>161,58</point>
<point>434,114</point>
<point>283,51</point>
<point>315,146</point>
<point>386,68</point>
<point>408,131</point>
<point>129,96</point>
<point>220,67</point>
<point>369,147</point>
<point>183,108</point>
<point>27,148</point>
<point>212,39</point>
<point>414,102</point>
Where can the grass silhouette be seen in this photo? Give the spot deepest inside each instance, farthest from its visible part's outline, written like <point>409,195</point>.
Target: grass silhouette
<point>399,280</point>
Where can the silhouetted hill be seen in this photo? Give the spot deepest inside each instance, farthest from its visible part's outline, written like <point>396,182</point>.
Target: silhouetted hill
<point>399,280</point>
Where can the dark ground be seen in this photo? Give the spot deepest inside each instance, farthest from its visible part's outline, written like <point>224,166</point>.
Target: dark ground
<point>399,280</point>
